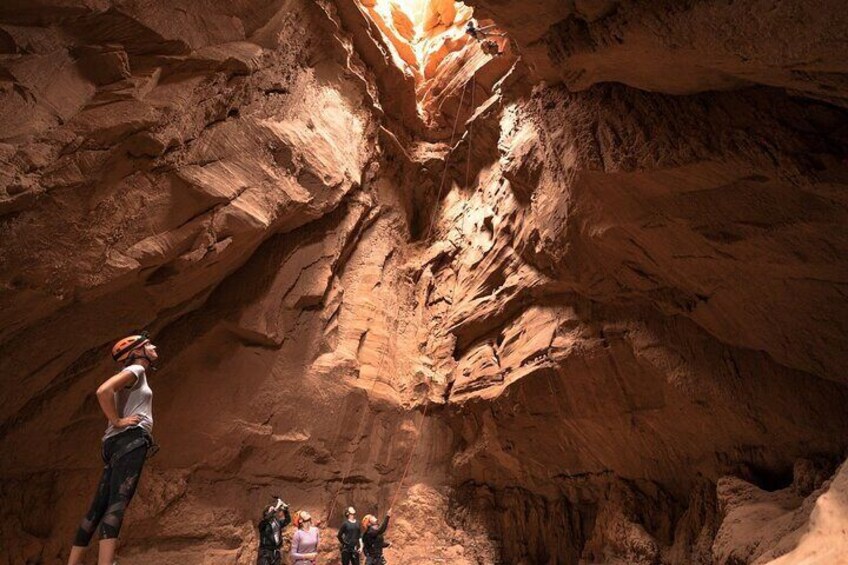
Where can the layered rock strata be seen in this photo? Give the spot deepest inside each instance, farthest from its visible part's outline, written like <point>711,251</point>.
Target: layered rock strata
<point>592,290</point>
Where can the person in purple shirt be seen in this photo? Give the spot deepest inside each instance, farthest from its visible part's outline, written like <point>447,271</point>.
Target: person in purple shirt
<point>304,545</point>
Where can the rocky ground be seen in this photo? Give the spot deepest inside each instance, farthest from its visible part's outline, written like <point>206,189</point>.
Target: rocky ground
<point>593,290</point>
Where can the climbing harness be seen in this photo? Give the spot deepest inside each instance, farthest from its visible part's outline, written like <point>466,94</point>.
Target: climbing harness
<point>145,439</point>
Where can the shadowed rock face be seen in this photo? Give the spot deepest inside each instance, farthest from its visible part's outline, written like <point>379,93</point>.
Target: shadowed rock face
<point>620,293</point>
<point>681,47</point>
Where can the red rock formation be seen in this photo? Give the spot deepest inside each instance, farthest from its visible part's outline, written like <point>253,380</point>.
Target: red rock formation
<point>623,305</point>
<point>681,47</point>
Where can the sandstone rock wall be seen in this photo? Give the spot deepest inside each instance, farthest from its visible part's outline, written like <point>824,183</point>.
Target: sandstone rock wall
<point>220,187</point>
<point>591,293</point>
<point>681,47</point>
<point>619,294</point>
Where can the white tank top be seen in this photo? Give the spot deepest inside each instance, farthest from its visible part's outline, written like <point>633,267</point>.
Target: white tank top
<point>136,399</point>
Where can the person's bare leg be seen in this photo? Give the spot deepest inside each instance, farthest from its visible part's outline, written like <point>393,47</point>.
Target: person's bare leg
<point>77,553</point>
<point>107,551</point>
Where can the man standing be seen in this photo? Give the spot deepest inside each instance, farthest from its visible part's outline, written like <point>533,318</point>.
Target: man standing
<point>275,518</point>
<point>350,541</point>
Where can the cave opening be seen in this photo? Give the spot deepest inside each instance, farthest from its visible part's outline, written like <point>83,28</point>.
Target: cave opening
<point>451,75</point>
<point>394,264</point>
<point>428,42</point>
<point>420,33</point>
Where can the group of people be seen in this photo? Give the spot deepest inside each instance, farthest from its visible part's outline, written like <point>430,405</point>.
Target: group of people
<point>370,542</point>
<point>126,400</point>
<point>354,538</point>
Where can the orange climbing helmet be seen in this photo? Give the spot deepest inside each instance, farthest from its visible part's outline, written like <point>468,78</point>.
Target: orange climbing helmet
<point>121,350</point>
<point>301,517</point>
<point>368,520</point>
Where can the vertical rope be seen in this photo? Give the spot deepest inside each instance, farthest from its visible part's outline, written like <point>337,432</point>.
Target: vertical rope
<point>447,158</point>
<point>418,434</point>
<point>420,426</point>
<point>361,427</point>
<point>470,129</point>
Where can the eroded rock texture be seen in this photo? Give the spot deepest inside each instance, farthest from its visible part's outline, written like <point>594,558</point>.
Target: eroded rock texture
<point>591,290</point>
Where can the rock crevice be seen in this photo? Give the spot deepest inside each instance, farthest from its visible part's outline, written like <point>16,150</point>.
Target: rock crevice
<point>591,290</point>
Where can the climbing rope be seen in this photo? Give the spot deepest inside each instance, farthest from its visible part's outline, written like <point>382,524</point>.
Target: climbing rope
<point>360,427</point>
<point>420,425</point>
<point>447,158</point>
<point>418,434</point>
<point>470,129</point>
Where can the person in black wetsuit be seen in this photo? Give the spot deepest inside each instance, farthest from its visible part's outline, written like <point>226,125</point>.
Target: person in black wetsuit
<point>350,540</point>
<point>271,527</point>
<point>372,539</point>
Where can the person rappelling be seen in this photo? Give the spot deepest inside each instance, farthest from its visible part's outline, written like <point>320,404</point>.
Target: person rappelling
<point>373,542</point>
<point>126,400</point>
<point>274,520</point>
<point>350,539</point>
<point>484,35</point>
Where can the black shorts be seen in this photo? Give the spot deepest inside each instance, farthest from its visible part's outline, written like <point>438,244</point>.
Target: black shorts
<point>116,488</point>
